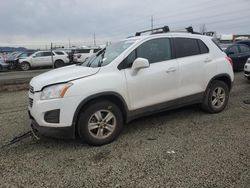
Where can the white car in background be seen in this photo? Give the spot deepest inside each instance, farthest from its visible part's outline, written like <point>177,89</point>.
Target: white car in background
<point>81,54</point>
<point>44,59</point>
<point>247,69</point>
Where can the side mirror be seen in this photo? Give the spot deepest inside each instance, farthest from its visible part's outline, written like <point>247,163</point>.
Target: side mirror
<point>140,63</point>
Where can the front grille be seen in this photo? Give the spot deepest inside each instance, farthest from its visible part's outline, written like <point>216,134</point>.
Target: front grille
<point>30,102</point>
<point>31,89</point>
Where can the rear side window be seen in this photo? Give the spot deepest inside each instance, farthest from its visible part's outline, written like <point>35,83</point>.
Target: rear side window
<point>203,47</point>
<point>186,47</point>
<point>59,53</point>
<point>244,49</point>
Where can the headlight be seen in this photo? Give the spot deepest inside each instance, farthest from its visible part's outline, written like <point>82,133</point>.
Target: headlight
<point>55,91</point>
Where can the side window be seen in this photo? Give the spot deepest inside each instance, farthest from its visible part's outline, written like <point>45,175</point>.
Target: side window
<point>59,53</point>
<point>40,54</point>
<point>186,47</point>
<point>46,54</point>
<point>233,50</point>
<point>244,49</point>
<point>155,50</point>
<point>83,51</point>
<point>203,47</point>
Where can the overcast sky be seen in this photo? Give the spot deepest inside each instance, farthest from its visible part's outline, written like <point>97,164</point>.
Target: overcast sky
<point>36,23</point>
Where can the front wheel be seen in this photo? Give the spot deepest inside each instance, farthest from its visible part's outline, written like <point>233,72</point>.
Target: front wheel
<point>59,63</point>
<point>25,66</point>
<point>100,123</point>
<point>216,97</point>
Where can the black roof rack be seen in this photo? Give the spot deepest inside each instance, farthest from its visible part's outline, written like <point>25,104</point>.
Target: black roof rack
<point>166,29</point>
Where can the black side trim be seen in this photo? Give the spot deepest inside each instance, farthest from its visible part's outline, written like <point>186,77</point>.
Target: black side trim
<point>177,103</point>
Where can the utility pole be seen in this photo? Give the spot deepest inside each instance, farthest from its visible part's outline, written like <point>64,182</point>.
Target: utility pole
<point>69,43</point>
<point>94,40</point>
<point>152,22</point>
<point>52,56</point>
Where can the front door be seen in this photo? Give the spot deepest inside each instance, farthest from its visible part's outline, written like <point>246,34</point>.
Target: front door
<point>159,82</point>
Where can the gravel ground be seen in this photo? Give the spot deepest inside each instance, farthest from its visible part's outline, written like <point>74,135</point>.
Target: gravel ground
<point>179,148</point>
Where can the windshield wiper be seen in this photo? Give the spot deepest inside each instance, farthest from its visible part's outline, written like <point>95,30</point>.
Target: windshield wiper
<point>101,52</point>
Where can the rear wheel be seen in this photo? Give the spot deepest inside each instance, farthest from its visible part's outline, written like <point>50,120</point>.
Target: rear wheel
<point>100,123</point>
<point>59,63</point>
<point>216,97</point>
<point>25,66</point>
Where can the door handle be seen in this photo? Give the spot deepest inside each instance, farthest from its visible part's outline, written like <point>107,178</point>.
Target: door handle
<point>207,60</point>
<point>171,69</point>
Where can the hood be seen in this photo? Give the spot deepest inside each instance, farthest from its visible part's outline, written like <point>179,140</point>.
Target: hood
<point>64,74</point>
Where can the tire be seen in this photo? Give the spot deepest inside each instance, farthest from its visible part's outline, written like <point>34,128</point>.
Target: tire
<point>58,63</point>
<point>100,132</point>
<point>25,66</point>
<point>216,97</point>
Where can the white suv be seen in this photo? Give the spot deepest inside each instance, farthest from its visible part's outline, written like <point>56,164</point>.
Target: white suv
<point>44,59</point>
<point>247,69</point>
<point>81,54</point>
<point>134,77</point>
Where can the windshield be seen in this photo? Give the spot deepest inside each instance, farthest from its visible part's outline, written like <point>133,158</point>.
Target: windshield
<point>108,54</point>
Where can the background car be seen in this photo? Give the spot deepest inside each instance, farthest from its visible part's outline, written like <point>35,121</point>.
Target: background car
<point>13,60</point>
<point>44,59</point>
<point>247,69</point>
<point>82,53</point>
<point>239,53</point>
<point>246,42</point>
<point>3,65</point>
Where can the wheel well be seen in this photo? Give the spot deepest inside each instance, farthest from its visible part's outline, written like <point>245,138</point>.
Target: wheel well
<point>110,97</point>
<point>224,79</point>
<point>59,60</point>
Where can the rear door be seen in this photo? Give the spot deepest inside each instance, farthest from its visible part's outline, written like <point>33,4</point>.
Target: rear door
<point>234,54</point>
<point>244,54</point>
<point>192,55</point>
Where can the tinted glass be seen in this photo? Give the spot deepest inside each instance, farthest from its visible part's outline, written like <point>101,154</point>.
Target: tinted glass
<point>59,53</point>
<point>186,47</point>
<point>203,47</point>
<point>82,51</point>
<point>39,54</point>
<point>244,49</point>
<point>233,50</point>
<point>155,50</point>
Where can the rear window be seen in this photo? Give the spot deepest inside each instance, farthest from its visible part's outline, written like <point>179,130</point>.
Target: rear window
<point>186,47</point>
<point>244,49</point>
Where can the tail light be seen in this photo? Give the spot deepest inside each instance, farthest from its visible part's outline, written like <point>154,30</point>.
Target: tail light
<point>229,60</point>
